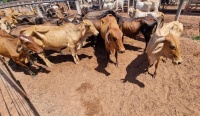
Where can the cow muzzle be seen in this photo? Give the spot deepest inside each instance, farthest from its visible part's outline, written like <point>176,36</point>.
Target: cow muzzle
<point>177,61</point>
<point>96,33</point>
<point>121,51</point>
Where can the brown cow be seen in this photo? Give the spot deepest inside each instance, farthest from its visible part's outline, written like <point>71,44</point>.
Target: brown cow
<point>17,49</point>
<point>131,27</point>
<point>112,35</point>
<point>59,37</point>
<point>163,46</point>
<point>94,17</point>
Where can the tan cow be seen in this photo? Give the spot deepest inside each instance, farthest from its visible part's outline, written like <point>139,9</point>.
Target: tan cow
<point>58,37</point>
<point>5,26</point>
<point>11,21</point>
<point>164,45</point>
<point>112,35</point>
<point>17,49</point>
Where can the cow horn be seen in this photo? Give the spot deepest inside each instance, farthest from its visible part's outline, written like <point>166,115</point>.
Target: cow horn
<point>107,37</point>
<point>19,48</point>
<point>160,40</point>
<point>170,31</point>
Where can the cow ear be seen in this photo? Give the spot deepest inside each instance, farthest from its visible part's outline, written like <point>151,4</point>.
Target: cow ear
<point>19,48</point>
<point>160,40</point>
<point>5,22</point>
<point>107,38</point>
<point>83,28</point>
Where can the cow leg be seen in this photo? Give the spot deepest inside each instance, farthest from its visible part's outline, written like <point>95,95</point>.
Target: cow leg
<point>108,56</point>
<point>147,38</point>
<point>156,66</point>
<point>74,53</point>
<point>47,62</point>
<point>30,71</point>
<point>25,66</point>
<point>149,65</point>
<point>116,56</point>
<point>77,58</point>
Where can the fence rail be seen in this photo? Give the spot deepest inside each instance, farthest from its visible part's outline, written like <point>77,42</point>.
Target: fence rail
<point>27,2</point>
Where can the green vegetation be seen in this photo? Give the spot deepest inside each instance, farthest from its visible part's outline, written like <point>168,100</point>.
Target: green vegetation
<point>5,1</point>
<point>196,38</point>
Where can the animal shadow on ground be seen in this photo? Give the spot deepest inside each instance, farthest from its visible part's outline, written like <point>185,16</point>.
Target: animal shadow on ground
<point>135,68</point>
<point>101,55</point>
<point>129,47</point>
<point>59,57</point>
<point>138,37</point>
<point>17,68</point>
<point>64,58</point>
<point>91,41</point>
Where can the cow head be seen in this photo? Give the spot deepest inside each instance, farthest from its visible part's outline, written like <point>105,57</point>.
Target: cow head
<point>28,43</point>
<point>131,12</point>
<point>5,26</point>
<point>114,37</point>
<point>171,48</point>
<point>89,28</point>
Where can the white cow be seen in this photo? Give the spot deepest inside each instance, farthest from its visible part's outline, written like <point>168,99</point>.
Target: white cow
<point>136,13</point>
<point>174,27</point>
<point>110,4</point>
<point>147,6</point>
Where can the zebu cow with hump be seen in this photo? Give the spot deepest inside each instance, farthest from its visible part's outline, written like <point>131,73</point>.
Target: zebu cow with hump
<point>112,35</point>
<point>17,49</point>
<point>165,43</point>
<point>59,37</point>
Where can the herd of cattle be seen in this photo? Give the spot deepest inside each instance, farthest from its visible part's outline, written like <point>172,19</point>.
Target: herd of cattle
<point>19,40</point>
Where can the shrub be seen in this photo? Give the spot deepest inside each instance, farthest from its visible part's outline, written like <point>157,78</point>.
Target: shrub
<point>196,38</point>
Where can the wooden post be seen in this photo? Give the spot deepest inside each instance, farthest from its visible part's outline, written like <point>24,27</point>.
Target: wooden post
<point>31,8</point>
<point>78,8</point>
<point>117,2</point>
<point>128,5</point>
<point>39,11</point>
<point>68,6</point>
<point>43,8</point>
<point>199,28</point>
<point>179,10</point>
<point>100,4</point>
<point>133,3</point>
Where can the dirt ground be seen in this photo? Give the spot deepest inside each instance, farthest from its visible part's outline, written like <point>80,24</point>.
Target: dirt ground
<point>92,89</point>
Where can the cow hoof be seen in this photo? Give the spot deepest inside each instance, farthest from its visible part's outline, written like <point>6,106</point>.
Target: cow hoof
<point>154,76</point>
<point>49,65</point>
<point>163,60</point>
<point>76,62</point>
<point>33,75</point>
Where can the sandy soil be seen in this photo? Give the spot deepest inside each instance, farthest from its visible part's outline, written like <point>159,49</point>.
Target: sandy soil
<point>92,89</point>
